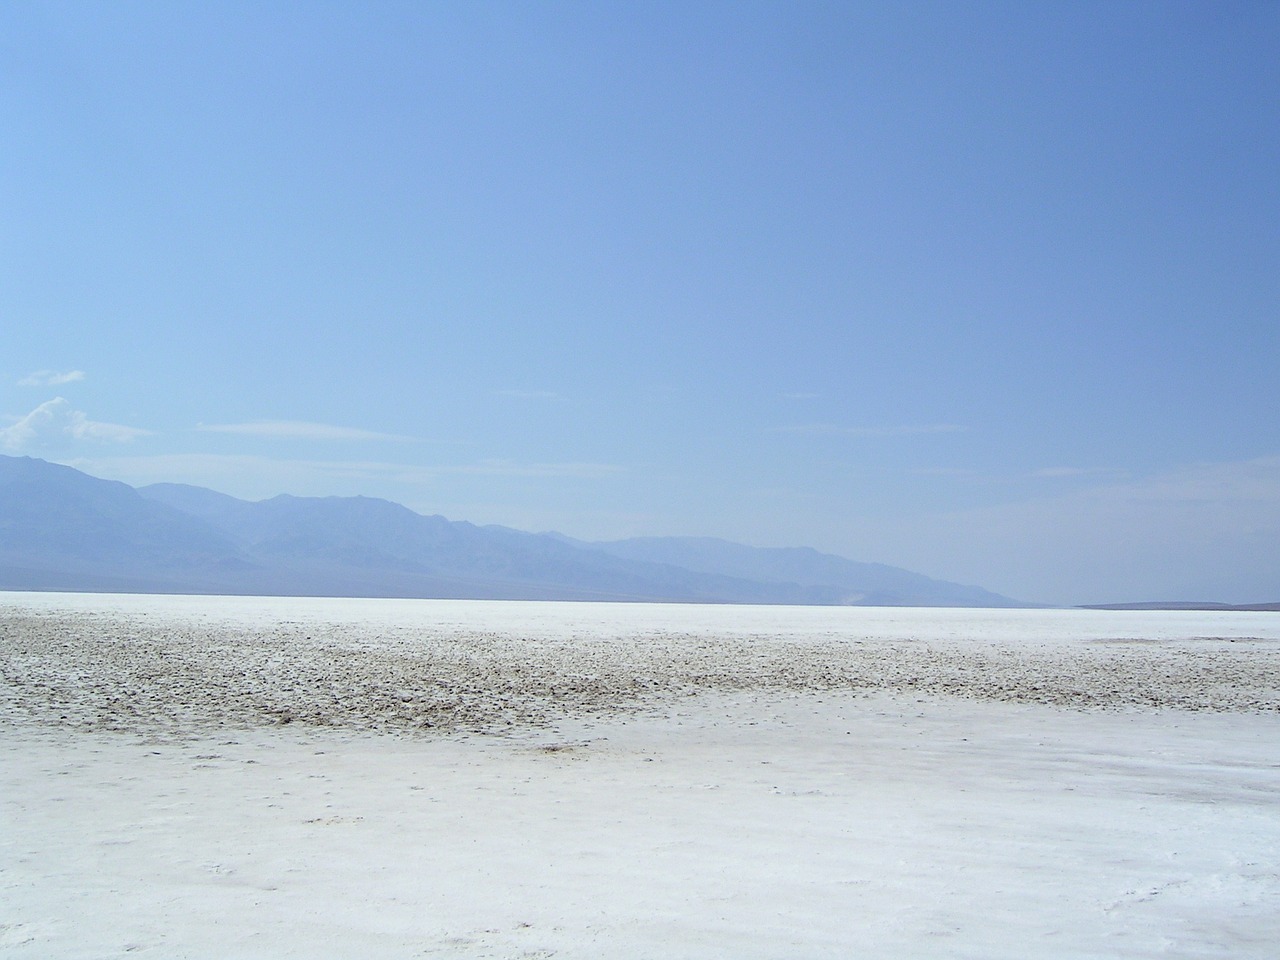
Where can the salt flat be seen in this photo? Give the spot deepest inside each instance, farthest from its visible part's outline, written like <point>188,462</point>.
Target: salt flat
<point>200,777</point>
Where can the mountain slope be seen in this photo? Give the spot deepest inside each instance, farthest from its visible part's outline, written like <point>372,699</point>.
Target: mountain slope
<point>64,530</point>
<point>328,536</point>
<point>60,527</point>
<point>836,579</point>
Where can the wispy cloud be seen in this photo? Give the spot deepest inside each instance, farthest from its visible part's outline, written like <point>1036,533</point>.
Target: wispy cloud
<point>511,468</point>
<point>530,394</point>
<point>836,430</point>
<point>1076,473</point>
<point>54,423</point>
<point>1243,481</point>
<point>955,473</point>
<point>301,430</point>
<point>248,475</point>
<point>1083,474</point>
<point>50,378</point>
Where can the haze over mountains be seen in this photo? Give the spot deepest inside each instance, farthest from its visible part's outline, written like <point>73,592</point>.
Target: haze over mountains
<point>61,529</point>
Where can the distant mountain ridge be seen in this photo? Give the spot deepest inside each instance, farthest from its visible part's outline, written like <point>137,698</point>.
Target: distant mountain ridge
<point>840,581</point>
<point>61,529</point>
<point>1204,605</point>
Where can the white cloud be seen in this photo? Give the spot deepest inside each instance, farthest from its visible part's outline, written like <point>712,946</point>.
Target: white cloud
<point>1244,481</point>
<point>50,378</point>
<point>835,430</point>
<point>54,423</point>
<point>508,468</point>
<point>956,473</point>
<point>254,477</point>
<point>1080,474</point>
<point>1064,473</point>
<point>300,430</point>
<point>246,475</point>
<point>531,394</point>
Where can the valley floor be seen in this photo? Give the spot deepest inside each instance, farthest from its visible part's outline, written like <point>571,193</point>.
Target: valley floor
<point>188,778</point>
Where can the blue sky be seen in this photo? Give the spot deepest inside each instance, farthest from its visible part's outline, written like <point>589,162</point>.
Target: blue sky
<point>985,290</point>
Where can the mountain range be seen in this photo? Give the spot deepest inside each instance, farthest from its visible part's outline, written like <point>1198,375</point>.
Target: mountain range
<point>61,529</point>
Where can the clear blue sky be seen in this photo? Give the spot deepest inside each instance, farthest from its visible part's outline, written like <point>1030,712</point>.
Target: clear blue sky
<point>985,290</point>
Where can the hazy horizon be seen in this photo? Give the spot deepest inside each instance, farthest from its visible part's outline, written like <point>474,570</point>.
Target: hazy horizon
<point>985,292</point>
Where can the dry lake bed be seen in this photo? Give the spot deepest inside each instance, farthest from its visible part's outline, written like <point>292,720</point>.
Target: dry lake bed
<point>254,777</point>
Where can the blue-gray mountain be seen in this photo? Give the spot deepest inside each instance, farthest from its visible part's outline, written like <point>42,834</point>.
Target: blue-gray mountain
<point>61,529</point>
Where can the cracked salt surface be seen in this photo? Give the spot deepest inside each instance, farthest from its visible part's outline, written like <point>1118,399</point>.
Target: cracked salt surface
<point>579,780</point>
<point>177,664</point>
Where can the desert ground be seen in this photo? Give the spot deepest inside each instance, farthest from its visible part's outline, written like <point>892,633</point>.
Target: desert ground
<point>248,777</point>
